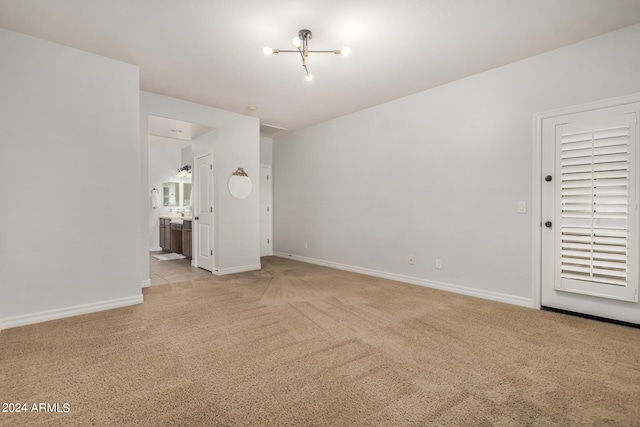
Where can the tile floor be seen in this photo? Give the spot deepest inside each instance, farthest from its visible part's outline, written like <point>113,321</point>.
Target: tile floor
<point>179,270</point>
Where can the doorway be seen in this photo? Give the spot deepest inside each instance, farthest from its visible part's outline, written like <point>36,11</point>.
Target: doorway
<point>589,209</point>
<point>174,144</point>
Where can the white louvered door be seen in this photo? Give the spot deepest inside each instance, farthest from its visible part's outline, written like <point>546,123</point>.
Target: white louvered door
<point>590,213</point>
<point>595,207</point>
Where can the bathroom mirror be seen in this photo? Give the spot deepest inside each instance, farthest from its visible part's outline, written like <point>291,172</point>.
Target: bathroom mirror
<point>239,186</point>
<point>186,194</point>
<point>177,193</point>
<point>171,193</point>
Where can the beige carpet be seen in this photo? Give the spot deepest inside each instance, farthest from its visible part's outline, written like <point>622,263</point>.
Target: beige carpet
<point>302,345</point>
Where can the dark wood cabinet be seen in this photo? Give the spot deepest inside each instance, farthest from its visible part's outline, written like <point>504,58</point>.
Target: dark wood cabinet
<point>176,238</point>
<point>186,238</point>
<point>165,234</point>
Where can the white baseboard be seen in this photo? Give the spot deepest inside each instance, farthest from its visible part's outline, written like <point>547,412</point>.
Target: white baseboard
<point>146,283</point>
<point>43,316</point>
<point>156,249</point>
<point>241,269</point>
<point>493,296</point>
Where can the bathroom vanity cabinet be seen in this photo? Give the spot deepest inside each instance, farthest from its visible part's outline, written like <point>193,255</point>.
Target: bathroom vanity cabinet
<point>176,238</point>
<point>186,238</point>
<point>165,234</point>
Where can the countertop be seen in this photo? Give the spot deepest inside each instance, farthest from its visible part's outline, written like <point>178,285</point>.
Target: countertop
<point>176,219</point>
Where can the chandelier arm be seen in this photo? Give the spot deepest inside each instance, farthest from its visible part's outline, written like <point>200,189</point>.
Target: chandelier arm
<point>310,51</point>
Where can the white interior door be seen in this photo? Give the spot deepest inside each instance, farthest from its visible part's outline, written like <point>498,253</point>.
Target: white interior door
<point>204,212</point>
<point>589,223</point>
<point>266,238</point>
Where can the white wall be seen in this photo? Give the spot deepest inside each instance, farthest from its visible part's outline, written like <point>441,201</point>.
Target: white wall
<point>70,179</point>
<point>186,156</point>
<point>266,150</point>
<point>236,144</point>
<point>437,175</point>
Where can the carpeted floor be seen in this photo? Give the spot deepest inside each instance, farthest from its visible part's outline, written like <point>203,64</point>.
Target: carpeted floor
<point>297,344</point>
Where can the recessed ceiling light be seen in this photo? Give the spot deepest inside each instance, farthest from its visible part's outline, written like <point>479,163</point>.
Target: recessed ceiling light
<point>252,107</point>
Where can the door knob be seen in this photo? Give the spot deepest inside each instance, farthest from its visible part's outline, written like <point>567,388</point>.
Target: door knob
<point>548,224</point>
<point>548,178</point>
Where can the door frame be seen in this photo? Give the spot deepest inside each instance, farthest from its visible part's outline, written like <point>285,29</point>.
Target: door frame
<point>536,212</point>
<point>269,188</point>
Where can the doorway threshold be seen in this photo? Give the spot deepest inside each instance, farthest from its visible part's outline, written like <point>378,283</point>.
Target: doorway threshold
<point>589,316</point>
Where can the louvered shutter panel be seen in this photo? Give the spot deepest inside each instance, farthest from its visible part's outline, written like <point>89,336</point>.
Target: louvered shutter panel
<point>595,196</point>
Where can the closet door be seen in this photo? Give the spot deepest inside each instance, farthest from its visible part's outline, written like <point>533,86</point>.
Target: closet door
<point>204,212</point>
<point>590,220</point>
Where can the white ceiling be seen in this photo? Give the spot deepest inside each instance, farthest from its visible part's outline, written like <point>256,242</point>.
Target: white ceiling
<point>167,132</point>
<point>210,51</point>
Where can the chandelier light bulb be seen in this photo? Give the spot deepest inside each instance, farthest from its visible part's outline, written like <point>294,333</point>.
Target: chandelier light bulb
<point>309,77</point>
<point>346,51</point>
<point>267,50</point>
<point>297,42</point>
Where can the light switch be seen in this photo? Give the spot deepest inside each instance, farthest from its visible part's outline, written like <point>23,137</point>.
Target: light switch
<point>522,207</point>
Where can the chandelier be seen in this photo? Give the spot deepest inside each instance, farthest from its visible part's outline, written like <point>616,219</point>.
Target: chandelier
<point>301,42</point>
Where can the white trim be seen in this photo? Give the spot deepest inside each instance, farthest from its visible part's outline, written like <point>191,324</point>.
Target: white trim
<point>146,283</point>
<point>536,213</point>
<point>43,316</point>
<point>536,217</point>
<point>234,270</point>
<point>156,249</point>
<point>596,105</point>
<point>493,296</point>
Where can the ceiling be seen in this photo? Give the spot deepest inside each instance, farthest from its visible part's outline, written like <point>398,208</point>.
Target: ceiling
<point>210,51</point>
<point>174,133</point>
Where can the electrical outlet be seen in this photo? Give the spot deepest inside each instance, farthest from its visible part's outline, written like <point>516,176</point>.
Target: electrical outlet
<point>411,260</point>
<point>439,264</point>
